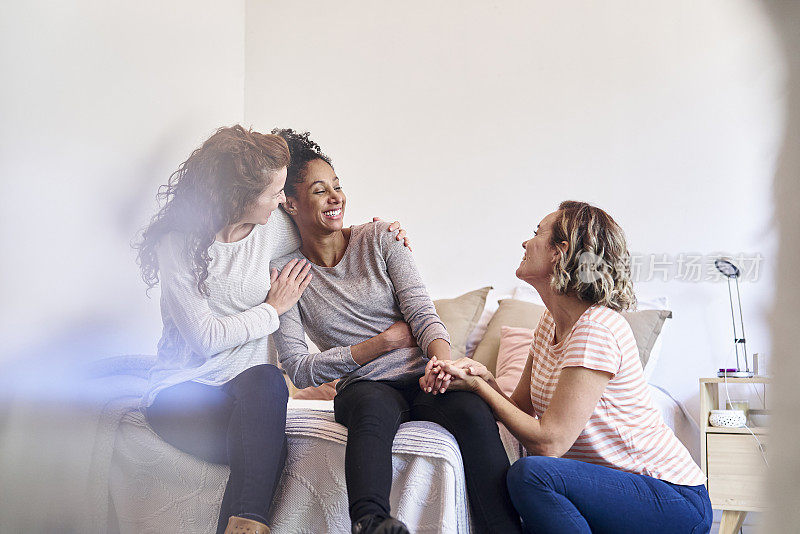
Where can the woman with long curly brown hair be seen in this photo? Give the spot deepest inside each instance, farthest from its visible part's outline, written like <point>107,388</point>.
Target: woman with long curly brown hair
<point>603,460</point>
<point>212,391</point>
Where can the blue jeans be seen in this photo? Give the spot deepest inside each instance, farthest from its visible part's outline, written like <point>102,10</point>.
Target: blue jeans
<point>570,496</point>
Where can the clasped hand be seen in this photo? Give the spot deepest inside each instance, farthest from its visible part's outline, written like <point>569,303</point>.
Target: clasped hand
<point>463,374</point>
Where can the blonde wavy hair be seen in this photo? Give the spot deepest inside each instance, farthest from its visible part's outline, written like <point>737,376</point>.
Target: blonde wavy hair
<point>596,264</point>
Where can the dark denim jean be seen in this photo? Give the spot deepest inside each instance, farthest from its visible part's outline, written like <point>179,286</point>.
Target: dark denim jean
<point>241,423</point>
<point>556,495</point>
<point>372,411</point>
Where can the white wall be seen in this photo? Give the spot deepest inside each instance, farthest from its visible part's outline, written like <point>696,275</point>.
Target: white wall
<point>467,120</point>
<point>100,101</point>
<point>470,121</point>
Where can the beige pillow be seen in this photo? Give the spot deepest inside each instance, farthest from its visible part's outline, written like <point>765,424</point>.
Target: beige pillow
<point>511,312</point>
<point>646,326</point>
<point>460,315</point>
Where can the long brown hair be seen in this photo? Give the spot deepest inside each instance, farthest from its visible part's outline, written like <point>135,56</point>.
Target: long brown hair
<point>209,191</point>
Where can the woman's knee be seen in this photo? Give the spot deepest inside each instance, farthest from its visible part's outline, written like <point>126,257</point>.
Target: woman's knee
<point>461,408</point>
<point>531,472</point>
<point>370,396</point>
<point>368,404</point>
<point>472,407</point>
<point>264,379</point>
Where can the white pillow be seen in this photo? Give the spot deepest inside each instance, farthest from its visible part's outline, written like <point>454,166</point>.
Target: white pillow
<point>654,303</point>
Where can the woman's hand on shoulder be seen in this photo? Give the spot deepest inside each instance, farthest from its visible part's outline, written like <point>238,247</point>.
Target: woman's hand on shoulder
<point>287,286</point>
<point>401,235</point>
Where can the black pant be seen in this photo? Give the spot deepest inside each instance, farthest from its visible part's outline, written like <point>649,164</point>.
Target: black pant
<point>372,411</point>
<point>241,423</point>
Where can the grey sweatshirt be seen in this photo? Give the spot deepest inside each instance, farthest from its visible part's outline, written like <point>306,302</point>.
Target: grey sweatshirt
<point>374,285</point>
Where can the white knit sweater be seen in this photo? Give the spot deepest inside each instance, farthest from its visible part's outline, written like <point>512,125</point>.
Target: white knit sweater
<point>212,339</point>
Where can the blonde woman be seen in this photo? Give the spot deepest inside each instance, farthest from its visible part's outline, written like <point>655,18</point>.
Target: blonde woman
<point>604,460</point>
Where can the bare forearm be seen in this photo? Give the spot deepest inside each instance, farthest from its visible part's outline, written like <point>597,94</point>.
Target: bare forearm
<point>526,428</point>
<point>439,348</point>
<point>368,350</point>
<point>492,382</point>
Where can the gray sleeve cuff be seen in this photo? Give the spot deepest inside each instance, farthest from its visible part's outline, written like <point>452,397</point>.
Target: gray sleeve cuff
<point>348,361</point>
<point>432,333</point>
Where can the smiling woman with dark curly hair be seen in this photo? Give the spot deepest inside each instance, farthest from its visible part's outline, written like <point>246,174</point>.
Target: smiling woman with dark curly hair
<point>365,283</point>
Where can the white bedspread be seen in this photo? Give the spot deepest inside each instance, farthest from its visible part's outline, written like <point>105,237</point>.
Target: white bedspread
<point>156,488</point>
<point>678,419</point>
<point>77,464</point>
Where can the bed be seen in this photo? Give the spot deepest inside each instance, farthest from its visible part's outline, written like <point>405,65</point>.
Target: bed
<point>155,488</point>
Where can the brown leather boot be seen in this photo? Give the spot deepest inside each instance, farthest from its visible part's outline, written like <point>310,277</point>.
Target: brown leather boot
<point>240,525</point>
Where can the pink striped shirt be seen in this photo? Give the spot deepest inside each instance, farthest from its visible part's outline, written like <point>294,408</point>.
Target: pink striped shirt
<point>625,431</point>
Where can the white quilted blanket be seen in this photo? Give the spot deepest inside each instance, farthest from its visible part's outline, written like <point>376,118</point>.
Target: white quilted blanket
<point>156,488</point>
<point>65,456</point>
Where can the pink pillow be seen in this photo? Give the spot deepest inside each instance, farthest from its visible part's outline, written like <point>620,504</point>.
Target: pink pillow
<point>326,391</point>
<point>515,344</point>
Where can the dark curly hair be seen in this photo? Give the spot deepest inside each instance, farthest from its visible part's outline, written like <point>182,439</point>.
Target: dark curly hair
<point>303,151</point>
<point>209,191</point>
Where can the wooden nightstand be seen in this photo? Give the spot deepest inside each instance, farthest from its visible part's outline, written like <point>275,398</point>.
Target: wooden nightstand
<point>732,459</point>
